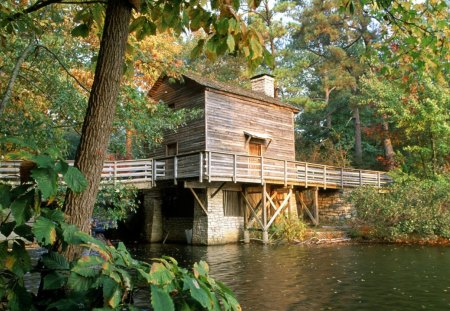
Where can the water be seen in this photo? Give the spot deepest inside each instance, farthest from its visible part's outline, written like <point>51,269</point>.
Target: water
<point>330,277</point>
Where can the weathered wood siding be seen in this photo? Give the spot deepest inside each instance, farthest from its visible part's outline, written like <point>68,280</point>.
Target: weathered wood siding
<point>228,116</point>
<point>190,138</point>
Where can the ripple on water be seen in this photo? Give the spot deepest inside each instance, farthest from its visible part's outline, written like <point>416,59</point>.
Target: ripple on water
<point>330,277</point>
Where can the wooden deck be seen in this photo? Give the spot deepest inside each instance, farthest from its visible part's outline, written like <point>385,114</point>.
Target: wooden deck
<point>217,166</point>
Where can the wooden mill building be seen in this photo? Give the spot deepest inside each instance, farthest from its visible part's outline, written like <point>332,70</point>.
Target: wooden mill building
<point>233,168</point>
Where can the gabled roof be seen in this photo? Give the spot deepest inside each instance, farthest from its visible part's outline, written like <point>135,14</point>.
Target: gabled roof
<point>237,90</point>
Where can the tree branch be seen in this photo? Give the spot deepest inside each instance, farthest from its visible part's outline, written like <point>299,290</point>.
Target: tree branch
<point>14,74</point>
<point>43,3</point>
<point>64,67</point>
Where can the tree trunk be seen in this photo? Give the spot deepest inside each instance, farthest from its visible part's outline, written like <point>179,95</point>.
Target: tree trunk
<point>388,149</point>
<point>358,143</point>
<point>98,121</point>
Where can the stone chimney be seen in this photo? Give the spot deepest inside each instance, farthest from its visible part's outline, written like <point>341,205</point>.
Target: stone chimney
<point>264,83</point>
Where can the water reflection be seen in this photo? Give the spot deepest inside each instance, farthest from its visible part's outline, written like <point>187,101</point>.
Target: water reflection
<point>333,277</point>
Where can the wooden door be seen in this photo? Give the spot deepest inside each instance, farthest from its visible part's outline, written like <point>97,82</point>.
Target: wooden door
<point>254,164</point>
<point>254,149</point>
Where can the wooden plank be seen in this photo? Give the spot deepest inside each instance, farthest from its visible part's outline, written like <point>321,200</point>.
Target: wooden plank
<point>280,209</point>
<point>199,201</point>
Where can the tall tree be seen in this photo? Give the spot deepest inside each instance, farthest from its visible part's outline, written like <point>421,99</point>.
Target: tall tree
<point>227,34</point>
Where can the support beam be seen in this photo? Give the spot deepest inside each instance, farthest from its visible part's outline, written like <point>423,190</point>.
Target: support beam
<point>264,191</point>
<point>316,204</point>
<point>202,205</point>
<point>305,208</point>
<point>280,209</point>
<point>255,214</point>
<point>265,233</point>
<point>217,190</point>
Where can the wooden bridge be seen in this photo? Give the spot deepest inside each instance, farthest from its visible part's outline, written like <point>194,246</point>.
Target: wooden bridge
<point>209,166</point>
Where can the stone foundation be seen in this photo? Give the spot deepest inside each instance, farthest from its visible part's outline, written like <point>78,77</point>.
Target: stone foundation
<point>332,206</point>
<point>153,225</point>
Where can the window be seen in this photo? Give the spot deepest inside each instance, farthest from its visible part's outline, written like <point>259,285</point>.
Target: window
<point>232,204</point>
<point>172,149</point>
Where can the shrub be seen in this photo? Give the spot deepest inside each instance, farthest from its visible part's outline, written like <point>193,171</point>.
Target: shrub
<point>114,203</point>
<point>288,228</point>
<point>410,207</point>
<point>105,277</point>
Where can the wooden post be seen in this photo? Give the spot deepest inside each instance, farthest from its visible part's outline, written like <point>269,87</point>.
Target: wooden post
<point>265,233</point>
<point>360,177</point>
<point>246,232</point>
<point>175,169</point>
<point>200,178</point>
<point>316,205</point>
<point>378,179</point>
<point>209,166</point>
<point>262,170</point>
<point>285,173</point>
<point>234,167</point>
<point>153,172</point>
<point>306,174</point>
<point>325,177</point>
<point>342,177</point>
<point>115,173</point>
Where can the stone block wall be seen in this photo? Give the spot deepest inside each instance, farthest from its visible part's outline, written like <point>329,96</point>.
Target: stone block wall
<point>153,225</point>
<point>222,229</point>
<point>332,206</point>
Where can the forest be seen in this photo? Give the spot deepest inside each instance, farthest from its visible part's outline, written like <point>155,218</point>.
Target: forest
<point>371,79</point>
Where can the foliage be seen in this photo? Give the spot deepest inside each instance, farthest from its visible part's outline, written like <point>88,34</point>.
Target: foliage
<point>411,207</point>
<point>419,116</point>
<point>288,228</point>
<point>115,203</point>
<point>105,277</point>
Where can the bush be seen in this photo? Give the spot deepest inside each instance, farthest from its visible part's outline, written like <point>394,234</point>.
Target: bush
<point>288,228</point>
<point>115,203</point>
<point>105,277</point>
<point>411,207</point>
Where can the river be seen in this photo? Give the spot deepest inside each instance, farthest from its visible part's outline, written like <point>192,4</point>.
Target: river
<point>324,277</point>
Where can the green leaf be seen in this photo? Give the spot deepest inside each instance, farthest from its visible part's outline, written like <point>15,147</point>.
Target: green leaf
<point>55,261</point>
<point>230,43</point>
<point>53,214</point>
<point>62,166</point>
<point>71,234</point>
<point>47,181</point>
<point>75,180</point>
<point>43,161</point>
<point>111,292</point>
<point>45,231</point>
<point>201,269</point>
<point>54,280</point>
<point>160,275</point>
<point>161,300</point>
<point>137,23</point>
<point>80,31</point>
<point>199,293</point>
<point>7,228</point>
<point>19,299</point>
<point>88,266</point>
<point>5,196</point>
<point>21,208</point>
<point>18,260</point>
<point>79,283</point>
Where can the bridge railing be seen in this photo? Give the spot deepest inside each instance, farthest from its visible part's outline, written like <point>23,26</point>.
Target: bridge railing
<point>220,166</point>
<point>123,171</point>
<point>246,168</point>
